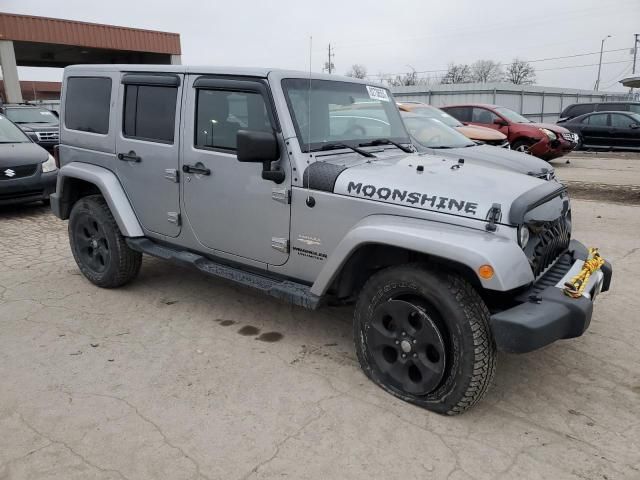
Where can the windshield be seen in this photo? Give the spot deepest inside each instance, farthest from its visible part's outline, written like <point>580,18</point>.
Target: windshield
<point>433,133</point>
<point>512,116</point>
<point>432,112</point>
<point>9,133</point>
<point>342,112</point>
<point>31,115</point>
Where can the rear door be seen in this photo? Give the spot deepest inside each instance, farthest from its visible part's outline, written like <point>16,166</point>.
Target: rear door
<point>147,148</point>
<point>595,130</point>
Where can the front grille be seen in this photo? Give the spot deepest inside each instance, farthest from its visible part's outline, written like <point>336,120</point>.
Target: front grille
<point>549,242</point>
<point>11,173</point>
<point>53,136</point>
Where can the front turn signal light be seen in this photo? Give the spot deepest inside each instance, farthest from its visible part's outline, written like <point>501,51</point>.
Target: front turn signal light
<point>486,272</point>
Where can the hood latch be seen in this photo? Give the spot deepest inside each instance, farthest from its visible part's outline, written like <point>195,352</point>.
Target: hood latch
<point>494,215</point>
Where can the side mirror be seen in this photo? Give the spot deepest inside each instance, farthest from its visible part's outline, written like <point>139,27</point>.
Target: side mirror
<point>260,147</point>
<point>501,122</point>
<point>634,126</point>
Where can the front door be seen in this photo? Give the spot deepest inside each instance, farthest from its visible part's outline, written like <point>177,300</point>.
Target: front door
<point>230,207</point>
<point>148,148</point>
<point>623,134</point>
<point>595,130</point>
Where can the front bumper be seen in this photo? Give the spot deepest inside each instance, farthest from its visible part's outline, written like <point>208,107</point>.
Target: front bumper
<point>549,149</point>
<point>546,314</point>
<point>28,189</point>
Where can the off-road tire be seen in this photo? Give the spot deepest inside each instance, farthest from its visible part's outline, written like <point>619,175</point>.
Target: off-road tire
<point>122,264</point>
<point>462,318</point>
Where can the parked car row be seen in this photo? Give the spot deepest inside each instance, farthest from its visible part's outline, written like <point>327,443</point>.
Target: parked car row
<point>39,123</point>
<point>27,171</point>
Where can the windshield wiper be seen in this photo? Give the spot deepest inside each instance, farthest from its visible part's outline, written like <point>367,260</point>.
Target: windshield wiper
<point>386,141</point>
<point>336,146</point>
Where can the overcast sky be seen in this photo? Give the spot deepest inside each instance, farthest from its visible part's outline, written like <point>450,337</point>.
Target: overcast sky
<point>386,36</point>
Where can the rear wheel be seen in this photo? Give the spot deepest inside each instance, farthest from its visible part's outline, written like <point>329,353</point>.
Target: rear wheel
<point>98,247</point>
<point>424,337</point>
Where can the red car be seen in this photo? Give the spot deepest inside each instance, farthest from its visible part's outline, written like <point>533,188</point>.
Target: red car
<point>543,140</point>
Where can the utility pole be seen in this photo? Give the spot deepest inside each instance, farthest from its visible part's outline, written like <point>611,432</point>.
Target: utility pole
<point>635,52</point>
<point>330,62</point>
<point>600,63</point>
<point>635,55</point>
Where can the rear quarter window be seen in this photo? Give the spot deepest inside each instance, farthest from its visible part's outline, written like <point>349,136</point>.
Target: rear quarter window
<point>87,104</point>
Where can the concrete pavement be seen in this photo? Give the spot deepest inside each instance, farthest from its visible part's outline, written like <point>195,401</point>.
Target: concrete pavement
<point>181,376</point>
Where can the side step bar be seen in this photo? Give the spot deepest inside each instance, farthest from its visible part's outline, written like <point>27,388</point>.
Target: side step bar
<point>291,292</point>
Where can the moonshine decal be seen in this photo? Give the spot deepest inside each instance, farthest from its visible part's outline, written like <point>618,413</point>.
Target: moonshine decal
<point>412,198</point>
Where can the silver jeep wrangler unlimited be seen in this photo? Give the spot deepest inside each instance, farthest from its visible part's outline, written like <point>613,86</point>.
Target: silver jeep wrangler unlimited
<point>307,187</point>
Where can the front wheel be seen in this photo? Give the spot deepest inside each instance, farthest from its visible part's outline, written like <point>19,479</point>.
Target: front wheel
<point>424,337</point>
<point>522,146</point>
<point>98,247</point>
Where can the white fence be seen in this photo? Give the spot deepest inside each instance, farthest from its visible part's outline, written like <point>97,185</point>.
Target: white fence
<point>542,104</point>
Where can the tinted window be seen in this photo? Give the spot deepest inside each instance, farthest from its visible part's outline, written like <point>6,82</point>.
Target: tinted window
<point>620,121</point>
<point>150,112</point>
<point>461,113</point>
<point>87,104</point>
<point>603,107</point>
<point>220,114</point>
<point>634,108</point>
<point>597,120</point>
<point>482,115</point>
<point>579,109</point>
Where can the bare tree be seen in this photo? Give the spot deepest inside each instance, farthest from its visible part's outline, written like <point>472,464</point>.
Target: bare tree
<point>460,73</point>
<point>357,71</point>
<point>484,71</point>
<point>520,72</point>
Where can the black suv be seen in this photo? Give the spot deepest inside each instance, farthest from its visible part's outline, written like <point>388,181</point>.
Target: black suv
<point>40,124</point>
<point>577,109</point>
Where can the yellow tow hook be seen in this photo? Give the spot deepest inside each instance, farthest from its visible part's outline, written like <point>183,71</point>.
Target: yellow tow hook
<point>575,287</point>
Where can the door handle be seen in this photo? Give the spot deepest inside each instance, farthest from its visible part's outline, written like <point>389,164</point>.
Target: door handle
<point>197,170</point>
<point>129,157</point>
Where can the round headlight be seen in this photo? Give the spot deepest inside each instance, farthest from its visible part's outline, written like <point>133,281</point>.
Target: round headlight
<point>523,236</point>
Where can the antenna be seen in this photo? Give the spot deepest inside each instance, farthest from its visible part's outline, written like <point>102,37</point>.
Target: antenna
<point>307,170</point>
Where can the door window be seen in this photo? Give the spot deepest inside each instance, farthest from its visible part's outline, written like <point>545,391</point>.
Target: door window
<point>150,112</point>
<point>597,120</point>
<point>620,121</point>
<point>482,115</point>
<point>463,114</point>
<point>579,109</point>
<point>221,114</point>
<point>611,106</point>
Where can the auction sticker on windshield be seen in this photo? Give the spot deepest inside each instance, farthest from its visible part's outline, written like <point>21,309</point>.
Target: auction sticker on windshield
<point>376,93</point>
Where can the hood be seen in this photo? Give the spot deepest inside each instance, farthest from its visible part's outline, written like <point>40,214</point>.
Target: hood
<point>16,154</point>
<point>496,157</point>
<point>434,183</point>
<point>475,132</point>
<point>39,127</point>
<point>549,126</point>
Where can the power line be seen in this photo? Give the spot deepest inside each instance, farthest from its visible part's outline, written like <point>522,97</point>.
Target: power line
<point>529,61</point>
